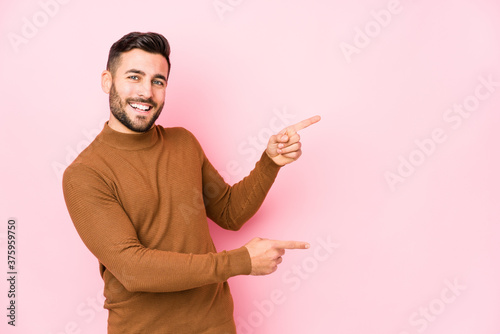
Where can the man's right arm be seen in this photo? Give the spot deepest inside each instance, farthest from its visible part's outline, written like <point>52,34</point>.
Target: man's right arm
<point>109,234</point>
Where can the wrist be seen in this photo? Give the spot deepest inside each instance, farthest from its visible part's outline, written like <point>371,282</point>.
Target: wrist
<point>273,159</point>
<point>240,261</point>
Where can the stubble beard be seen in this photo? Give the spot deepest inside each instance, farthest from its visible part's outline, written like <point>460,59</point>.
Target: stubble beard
<point>140,124</point>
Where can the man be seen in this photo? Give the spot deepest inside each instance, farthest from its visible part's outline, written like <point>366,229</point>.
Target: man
<point>139,197</point>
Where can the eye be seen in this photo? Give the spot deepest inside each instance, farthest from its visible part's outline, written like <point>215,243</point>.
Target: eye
<point>134,77</point>
<point>158,82</point>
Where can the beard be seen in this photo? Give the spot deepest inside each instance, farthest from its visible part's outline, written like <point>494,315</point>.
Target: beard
<point>140,123</point>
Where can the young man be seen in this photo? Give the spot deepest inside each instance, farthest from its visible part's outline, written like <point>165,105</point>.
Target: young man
<point>139,197</point>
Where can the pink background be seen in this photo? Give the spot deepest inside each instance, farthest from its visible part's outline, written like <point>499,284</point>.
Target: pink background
<point>398,249</point>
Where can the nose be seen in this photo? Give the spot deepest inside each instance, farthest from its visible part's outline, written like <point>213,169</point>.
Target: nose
<point>145,90</point>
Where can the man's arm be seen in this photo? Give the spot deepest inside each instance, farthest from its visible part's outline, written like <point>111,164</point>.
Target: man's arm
<point>109,234</point>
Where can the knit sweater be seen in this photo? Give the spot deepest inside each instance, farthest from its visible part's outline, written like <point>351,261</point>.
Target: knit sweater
<point>140,204</point>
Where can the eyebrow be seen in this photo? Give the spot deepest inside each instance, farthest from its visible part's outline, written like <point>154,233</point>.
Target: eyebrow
<point>156,76</point>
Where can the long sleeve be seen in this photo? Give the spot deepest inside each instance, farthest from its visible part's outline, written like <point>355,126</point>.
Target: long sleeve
<point>110,235</point>
<point>231,206</point>
<point>139,202</point>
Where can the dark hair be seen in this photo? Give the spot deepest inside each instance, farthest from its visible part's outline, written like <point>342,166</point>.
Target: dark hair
<point>150,42</point>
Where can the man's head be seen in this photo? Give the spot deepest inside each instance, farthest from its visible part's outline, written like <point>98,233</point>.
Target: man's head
<point>135,79</point>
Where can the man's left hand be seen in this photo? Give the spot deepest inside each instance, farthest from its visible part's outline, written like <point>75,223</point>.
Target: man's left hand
<point>284,147</point>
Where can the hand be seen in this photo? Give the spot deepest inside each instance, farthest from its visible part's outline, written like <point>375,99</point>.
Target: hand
<point>266,254</point>
<point>284,147</point>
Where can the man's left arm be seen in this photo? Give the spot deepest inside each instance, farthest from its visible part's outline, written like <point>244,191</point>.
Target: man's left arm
<point>231,206</point>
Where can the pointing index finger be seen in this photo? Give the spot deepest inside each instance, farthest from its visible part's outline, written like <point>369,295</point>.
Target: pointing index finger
<point>291,244</point>
<point>305,123</point>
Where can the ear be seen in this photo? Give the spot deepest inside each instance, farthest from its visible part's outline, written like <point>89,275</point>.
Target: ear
<point>106,81</point>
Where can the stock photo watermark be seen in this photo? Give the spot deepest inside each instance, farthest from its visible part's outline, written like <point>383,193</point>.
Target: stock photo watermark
<point>222,7</point>
<point>292,280</point>
<point>31,26</point>
<point>365,34</point>
<point>454,117</point>
<point>12,270</point>
<point>421,319</point>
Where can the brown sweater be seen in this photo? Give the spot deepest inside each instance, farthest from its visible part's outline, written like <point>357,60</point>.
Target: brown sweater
<point>140,204</point>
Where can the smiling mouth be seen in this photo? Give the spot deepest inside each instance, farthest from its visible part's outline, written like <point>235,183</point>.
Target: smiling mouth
<point>141,107</point>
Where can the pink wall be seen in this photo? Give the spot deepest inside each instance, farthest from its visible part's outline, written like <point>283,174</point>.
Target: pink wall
<point>397,190</point>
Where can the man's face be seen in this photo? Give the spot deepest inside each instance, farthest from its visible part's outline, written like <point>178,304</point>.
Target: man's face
<point>137,91</point>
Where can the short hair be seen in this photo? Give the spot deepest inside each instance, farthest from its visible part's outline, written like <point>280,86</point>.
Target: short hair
<point>150,42</point>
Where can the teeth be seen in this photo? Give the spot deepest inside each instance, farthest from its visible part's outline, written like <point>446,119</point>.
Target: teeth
<point>141,107</point>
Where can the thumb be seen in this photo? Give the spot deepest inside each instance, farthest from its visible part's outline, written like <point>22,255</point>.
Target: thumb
<point>282,136</point>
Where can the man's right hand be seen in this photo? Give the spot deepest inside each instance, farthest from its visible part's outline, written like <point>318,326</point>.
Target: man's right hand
<point>266,254</point>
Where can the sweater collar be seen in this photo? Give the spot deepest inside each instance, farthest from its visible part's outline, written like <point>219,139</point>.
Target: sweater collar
<point>128,141</point>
